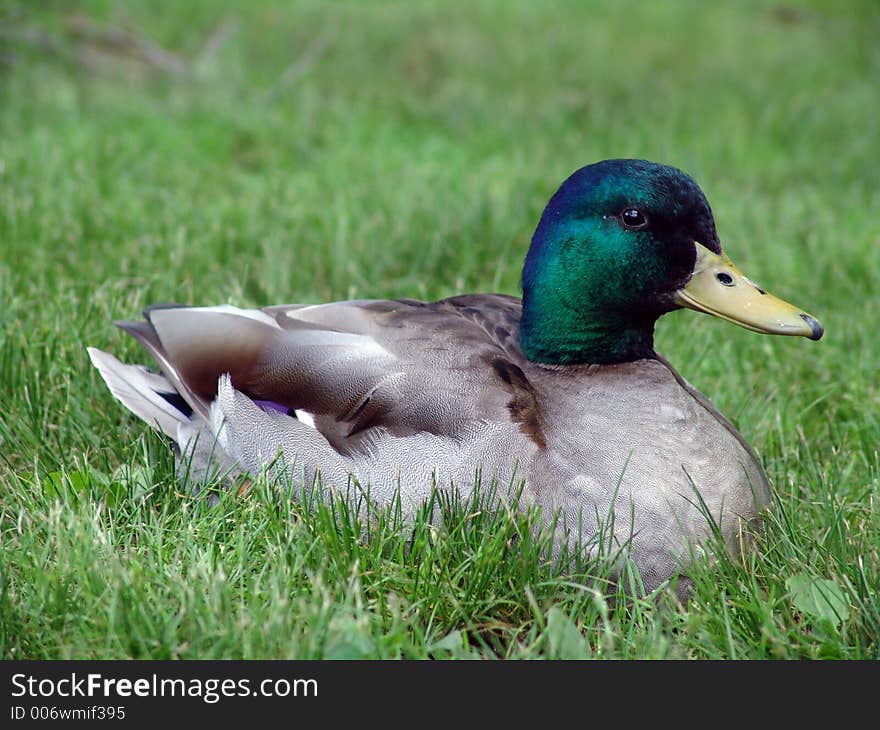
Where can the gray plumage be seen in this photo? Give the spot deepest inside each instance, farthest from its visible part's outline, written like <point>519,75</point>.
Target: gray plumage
<point>406,394</point>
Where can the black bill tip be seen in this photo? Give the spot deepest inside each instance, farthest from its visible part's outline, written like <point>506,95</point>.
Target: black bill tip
<point>816,328</point>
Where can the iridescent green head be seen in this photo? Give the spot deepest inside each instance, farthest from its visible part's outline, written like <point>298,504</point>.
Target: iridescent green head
<point>618,245</point>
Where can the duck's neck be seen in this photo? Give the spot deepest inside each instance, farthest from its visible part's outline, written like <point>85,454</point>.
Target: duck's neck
<point>578,302</point>
<point>553,333</point>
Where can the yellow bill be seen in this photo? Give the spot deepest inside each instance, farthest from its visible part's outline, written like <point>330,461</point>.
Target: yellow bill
<point>720,288</point>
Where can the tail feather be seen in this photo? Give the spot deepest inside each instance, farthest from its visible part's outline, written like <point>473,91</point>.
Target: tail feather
<point>141,392</point>
<point>145,333</point>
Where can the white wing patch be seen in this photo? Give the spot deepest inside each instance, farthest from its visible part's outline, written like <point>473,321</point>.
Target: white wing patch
<point>254,314</point>
<point>363,345</point>
<point>305,417</point>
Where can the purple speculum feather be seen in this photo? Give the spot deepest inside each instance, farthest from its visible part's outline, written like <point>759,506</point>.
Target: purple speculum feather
<point>267,405</point>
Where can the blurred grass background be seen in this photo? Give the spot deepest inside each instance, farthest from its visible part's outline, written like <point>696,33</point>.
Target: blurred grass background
<point>269,152</point>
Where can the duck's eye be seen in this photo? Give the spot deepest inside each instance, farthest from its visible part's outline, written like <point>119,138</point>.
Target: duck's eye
<point>633,219</point>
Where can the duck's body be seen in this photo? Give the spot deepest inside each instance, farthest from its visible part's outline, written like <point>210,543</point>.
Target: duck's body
<point>406,395</point>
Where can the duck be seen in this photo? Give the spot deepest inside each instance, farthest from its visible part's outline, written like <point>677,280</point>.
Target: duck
<point>560,392</point>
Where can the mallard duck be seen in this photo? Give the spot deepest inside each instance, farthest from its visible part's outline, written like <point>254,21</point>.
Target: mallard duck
<point>561,392</point>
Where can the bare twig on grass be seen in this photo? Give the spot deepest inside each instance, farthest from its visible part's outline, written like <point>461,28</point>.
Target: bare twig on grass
<point>33,37</point>
<point>222,33</point>
<point>300,67</point>
<point>123,41</point>
<point>97,46</point>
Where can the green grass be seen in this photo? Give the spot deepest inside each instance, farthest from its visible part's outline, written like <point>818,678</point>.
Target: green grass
<point>335,150</point>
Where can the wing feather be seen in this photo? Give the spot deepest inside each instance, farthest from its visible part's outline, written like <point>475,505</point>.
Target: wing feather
<point>402,366</point>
